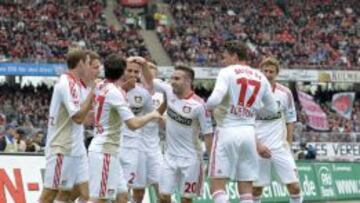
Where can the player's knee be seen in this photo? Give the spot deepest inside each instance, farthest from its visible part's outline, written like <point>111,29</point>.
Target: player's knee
<point>294,188</point>
<point>138,195</point>
<point>257,191</point>
<point>165,198</point>
<point>186,200</point>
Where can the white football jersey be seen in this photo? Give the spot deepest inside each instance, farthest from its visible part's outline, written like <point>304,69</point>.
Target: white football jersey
<point>149,138</point>
<point>64,136</point>
<point>111,111</point>
<point>186,120</point>
<point>140,103</point>
<point>271,129</point>
<point>242,90</point>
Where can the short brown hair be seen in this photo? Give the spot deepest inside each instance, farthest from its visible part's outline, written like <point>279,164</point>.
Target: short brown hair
<point>188,70</point>
<point>238,48</point>
<point>270,61</point>
<point>74,56</point>
<point>114,66</point>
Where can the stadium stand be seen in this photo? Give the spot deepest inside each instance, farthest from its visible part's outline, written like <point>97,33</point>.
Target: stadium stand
<point>321,34</point>
<point>43,30</point>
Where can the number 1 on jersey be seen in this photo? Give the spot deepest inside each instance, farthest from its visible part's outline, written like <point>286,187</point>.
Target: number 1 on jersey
<point>100,100</point>
<point>244,82</point>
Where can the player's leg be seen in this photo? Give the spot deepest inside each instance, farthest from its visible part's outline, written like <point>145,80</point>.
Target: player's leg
<point>219,166</point>
<point>103,170</point>
<point>122,190</point>
<point>248,164</point>
<point>168,180</point>
<point>52,177</point>
<point>128,161</point>
<point>191,179</point>
<point>264,178</point>
<point>154,163</point>
<point>140,182</point>
<point>81,188</point>
<point>285,167</point>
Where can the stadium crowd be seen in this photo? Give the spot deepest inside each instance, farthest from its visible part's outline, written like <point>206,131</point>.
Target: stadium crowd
<point>302,34</point>
<point>43,30</point>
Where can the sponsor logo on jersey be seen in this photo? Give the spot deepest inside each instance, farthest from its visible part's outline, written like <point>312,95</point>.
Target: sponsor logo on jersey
<point>186,109</point>
<point>178,118</point>
<point>138,99</point>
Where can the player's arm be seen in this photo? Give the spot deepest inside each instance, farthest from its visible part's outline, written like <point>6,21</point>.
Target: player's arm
<point>86,106</point>
<point>220,90</point>
<point>71,99</point>
<point>118,101</point>
<point>138,122</point>
<point>290,117</point>
<point>206,128</point>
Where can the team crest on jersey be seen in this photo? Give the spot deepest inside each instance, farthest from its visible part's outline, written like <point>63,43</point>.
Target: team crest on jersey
<point>186,109</point>
<point>138,99</point>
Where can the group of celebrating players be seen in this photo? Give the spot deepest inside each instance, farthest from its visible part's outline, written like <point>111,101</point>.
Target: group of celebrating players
<point>254,119</point>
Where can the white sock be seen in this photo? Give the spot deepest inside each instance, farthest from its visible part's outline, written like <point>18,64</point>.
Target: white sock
<point>257,199</point>
<point>296,198</point>
<point>220,196</point>
<point>246,198</point>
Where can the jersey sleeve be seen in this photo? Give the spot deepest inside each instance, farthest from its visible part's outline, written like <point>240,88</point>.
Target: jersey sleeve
<point>162,86</point>
<point>220,90</point>
<point>290,111</point>
<point>204,117</point>
<point>70,92</point>
<point>118,101</point>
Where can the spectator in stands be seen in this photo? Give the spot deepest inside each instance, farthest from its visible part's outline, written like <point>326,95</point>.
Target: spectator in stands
<point>12,141</point>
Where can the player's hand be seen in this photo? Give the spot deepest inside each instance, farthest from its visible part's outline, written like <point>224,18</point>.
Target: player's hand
<point>156,115</point>
<point>263,151</point>
<point>137,59</point>
<point>129,84</point>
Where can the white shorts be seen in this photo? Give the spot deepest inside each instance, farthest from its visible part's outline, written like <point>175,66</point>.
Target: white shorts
<point>63,172</point>
<point>284,165</point>
<point>148,168</point>
<point>234,154</point>
<point>106,177</point>
<point>183,173</point>
<point>128,158</point>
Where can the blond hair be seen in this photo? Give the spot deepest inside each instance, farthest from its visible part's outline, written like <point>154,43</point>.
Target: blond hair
<point>270,61</point>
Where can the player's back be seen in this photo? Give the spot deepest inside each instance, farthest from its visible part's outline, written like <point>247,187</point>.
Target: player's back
<point>245,89</point>
<point>109,104</point>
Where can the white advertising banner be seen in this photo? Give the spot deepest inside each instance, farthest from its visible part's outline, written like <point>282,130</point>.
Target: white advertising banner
<point>21,178</point>
<point>337,150</point>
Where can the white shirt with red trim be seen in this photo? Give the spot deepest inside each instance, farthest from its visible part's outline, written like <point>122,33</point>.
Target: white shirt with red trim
<point>238,94</point>
<point>271,129</point>
<point>186,120</point>
<point>140,103</point>
<point>64,136</point>
<point>111,111</point>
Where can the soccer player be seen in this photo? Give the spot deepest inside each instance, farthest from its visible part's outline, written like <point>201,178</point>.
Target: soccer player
<point>238,93</point>
<point>66,160</point>
<point>186,120</point>
<point>111,111</point>
<point>140,102</point>
<point>272,132</point>
<point>150,156</point>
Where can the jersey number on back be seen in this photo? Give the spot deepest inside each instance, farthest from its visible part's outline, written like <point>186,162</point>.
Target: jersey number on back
<point>244,82</point>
